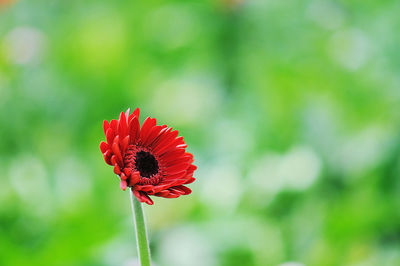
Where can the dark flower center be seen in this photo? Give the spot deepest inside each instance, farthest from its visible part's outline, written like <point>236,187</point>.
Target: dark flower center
<point>146,164</point>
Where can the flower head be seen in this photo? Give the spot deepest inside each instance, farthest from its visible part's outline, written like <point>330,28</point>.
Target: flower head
<point>150,159</point>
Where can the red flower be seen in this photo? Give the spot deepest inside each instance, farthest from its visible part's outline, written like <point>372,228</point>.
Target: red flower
<point>151,160</point>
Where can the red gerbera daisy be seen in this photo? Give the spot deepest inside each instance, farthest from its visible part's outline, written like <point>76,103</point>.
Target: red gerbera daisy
<point>151,160</point>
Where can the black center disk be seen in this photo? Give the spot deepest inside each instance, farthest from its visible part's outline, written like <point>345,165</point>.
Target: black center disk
<point>146,164</point>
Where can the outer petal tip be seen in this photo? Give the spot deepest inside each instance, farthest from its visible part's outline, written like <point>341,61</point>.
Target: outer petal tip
<point>136,112</point>
<point>106,125</point>
<point>142,197</point>
<point>103,147</point>
<point>123,184</point>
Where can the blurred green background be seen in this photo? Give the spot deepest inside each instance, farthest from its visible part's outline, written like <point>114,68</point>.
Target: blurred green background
<point>291,109</point>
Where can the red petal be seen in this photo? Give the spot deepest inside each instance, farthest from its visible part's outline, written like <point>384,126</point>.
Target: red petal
<point>177,160</point>
<point>136,112</point>
<point>163,133</point>
<point>172,178</point>
<point>163,193</point>
<point>110,136</point>
<point>177,191</point>
<point>114,125</point>
<point>178,182</point>
<point>104,147</point>
<point>123,184</point>
<point>117,170</point>
<point>182,146</point>
<point>191,180</point>
<point>155,131</point>
<point>134,129</point>
<point>107,157</point>
<point>127,113</point>
<point>172,154</point>
<point>185,190</point>
<point>158,188</point>
<point>176,168</point>
<point>171,194</point>
<point>122,125</point>
<point>142,197</point>
<point>191,169</point>
<point>124,144</point>
<point>145,188</point>
<point>190,157</point>
<point>127,171</point>
<point>178,175</point>
<point>114,160</point>
<point>116,150</point>
<point>148,124</point>
<point>166,140</point>
<point>134,179</point>
<point>172,145</point>
<point>123,177</point>
<point>106,125</point>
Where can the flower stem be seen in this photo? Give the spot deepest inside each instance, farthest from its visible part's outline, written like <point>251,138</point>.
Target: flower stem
<point>141,231</point>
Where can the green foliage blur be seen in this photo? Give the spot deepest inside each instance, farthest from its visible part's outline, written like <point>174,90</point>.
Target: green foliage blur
<point>291,109</point>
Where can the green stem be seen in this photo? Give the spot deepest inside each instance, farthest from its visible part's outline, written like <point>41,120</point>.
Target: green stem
<point>141,232</point>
